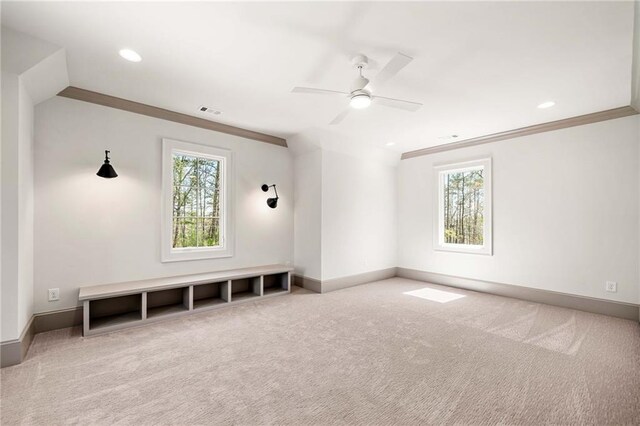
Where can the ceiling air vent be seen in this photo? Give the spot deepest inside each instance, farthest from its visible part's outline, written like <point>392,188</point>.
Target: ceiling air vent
<point>448,137</point>
<point>208,110</point>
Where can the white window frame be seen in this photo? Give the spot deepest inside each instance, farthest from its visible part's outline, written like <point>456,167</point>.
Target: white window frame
<point>170,254</point>
<point>438,241</point>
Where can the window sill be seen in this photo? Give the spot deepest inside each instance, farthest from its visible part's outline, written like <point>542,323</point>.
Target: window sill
<point>195,254</point>
<point>482,250</point>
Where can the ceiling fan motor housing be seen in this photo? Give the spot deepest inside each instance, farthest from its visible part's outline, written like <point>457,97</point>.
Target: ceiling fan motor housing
<point>360,61</point>
<point>359,92</point>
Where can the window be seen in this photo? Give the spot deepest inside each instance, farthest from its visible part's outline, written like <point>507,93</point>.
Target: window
<point>464,207</point>
<point>196,192</point>
<point>196,201</point>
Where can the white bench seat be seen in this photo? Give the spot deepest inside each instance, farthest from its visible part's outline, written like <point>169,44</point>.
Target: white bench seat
<point>110,307</point>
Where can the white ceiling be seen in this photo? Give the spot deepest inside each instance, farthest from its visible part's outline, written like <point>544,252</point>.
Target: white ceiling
<point>479,68</point>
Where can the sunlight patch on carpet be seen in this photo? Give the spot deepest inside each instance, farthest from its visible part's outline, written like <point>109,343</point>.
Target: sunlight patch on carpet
<point>434,295</point>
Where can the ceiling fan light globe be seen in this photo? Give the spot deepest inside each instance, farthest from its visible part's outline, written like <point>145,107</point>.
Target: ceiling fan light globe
<point>360,101</point>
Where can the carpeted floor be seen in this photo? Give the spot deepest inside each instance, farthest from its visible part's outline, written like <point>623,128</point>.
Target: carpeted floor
<point>364,355</point>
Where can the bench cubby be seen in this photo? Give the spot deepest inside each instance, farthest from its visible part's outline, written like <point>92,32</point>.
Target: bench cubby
<point>115,311</point>
<point>112,307</point>
<point>211,294</point>
<point>245,288</point>
<point>275,283</point>
<point>167,302</point>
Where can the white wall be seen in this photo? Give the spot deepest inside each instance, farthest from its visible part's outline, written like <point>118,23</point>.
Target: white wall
<point>308,213</point>
<point>91,231</point>
<point>17,206</point>
<point>635,68</point>
<point>32,70</point>
<point>358,215</point>
<point>345,208</point>
<point>10,290</point>
<point>565,211</point>
<point>25,206</point>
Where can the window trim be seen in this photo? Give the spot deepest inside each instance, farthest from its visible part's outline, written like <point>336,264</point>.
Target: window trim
<point>170,254</point>
<point>438,234</point>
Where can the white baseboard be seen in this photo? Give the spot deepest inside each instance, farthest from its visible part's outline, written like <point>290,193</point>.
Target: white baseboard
<point>581,303</point>
<point>13,352</point>
<point>325,286</point>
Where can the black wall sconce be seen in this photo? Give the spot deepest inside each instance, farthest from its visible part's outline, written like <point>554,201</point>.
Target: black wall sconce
<point>271,202</point>
<point>106,170</point>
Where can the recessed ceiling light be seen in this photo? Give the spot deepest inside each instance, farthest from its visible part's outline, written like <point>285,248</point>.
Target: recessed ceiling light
<point>390,143</point>
<point>547,104</point>
<point>130,55</point>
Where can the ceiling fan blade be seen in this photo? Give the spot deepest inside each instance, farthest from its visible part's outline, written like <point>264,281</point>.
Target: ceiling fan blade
<point>397,103</point>
<point>340,117</point>
<point>392,68</point>
<point>311,90</point>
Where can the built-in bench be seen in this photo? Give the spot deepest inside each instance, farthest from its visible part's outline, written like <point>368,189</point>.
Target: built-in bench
<point>111,307</point>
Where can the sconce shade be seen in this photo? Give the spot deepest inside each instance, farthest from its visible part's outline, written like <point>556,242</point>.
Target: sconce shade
<point>106,170</point>
<point>272,202</point>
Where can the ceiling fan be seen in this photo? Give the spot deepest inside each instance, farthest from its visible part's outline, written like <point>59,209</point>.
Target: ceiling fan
<point>360,95</point>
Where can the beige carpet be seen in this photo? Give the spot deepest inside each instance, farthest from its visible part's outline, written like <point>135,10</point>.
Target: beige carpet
<point>364,355</point>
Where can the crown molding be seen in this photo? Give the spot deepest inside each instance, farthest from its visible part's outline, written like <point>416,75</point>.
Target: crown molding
<point>79,94</point>
<point>580,120</point>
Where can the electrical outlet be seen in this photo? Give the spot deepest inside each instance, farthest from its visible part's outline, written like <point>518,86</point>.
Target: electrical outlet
<point>54,294</point>
<point>611,286</point>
